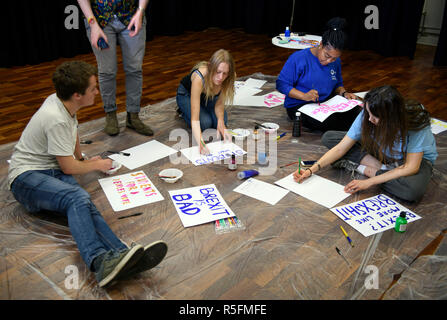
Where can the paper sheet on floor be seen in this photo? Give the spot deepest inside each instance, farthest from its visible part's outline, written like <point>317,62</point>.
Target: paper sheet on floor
<point>143,154</point>
<point>317,189</point>
<point>261,190</point>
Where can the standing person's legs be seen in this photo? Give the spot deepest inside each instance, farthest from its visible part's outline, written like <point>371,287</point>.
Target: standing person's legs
<point>133,50</point>
<point>107,68</point>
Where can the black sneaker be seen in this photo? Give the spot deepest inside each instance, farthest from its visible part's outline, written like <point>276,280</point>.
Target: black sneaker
<point>152,256</point>
<point>116,263</point>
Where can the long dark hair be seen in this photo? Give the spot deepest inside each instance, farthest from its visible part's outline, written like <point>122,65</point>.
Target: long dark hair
<point>334,35</point>
<point>387,104</point>
<point>396,118</point>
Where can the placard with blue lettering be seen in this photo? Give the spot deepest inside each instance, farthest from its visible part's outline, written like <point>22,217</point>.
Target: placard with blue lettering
<point>373,215</point>
<point>198,205</point>
<point>218,151</point>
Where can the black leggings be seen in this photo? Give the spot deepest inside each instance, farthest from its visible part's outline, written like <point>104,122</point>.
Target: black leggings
<point>339,121</point>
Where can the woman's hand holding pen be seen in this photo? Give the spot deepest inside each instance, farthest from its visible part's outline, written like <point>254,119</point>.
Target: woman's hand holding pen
<point>300,177</point>
<point>203,148</point>
<point>311,95</point>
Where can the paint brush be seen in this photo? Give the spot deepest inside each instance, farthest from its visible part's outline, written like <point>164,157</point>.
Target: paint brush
<point>289,164</point>
<point>131,215</point>
<point>265,127</point>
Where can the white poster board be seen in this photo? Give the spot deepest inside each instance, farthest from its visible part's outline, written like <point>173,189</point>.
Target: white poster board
<point>143,154</point>
<point>198,205</point>
<point>130,190</point>
<point>325,109</point>
<point>262,191</point>
<point>373,215</point>
<point>317,189</point>
<point>268,100</point>
<point>219,150</point>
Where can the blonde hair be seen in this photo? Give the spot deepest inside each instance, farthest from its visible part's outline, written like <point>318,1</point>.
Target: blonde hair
<point>227,90</point>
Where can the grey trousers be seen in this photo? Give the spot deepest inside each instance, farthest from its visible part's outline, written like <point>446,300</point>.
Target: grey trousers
<point>409,188</point>
<point>133,50</point>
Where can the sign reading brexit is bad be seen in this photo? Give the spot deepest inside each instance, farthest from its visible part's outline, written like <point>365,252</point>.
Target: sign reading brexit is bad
<point>373,215</point>
<point>198,205</point>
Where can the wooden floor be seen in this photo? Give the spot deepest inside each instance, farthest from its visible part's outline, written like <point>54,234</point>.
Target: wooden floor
<point>168,59</point>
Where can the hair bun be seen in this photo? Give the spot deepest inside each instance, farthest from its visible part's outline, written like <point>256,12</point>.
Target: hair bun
<point>336,23</point>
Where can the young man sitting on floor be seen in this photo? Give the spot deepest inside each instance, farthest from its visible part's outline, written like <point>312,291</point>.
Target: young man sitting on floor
<point>40,177</point>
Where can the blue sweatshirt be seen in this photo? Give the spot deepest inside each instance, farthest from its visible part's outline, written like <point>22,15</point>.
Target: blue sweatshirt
<point>304,72</point>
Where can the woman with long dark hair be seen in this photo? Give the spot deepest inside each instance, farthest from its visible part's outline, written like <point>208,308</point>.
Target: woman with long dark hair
<point>390,142</point>
<point>314,75</point>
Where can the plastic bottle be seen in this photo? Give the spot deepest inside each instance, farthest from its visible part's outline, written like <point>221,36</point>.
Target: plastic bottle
<point>297,125</point>
<point>401,222</point>
<point>232,165</point>
<point>287,34</point>
<point>247,174</point>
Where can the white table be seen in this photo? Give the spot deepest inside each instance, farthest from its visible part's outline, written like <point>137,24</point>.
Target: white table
<point>296,42</point>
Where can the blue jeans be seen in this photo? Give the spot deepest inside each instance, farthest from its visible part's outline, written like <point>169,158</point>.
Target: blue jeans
<point>133,49</point>
<point>52,190</point>
<point>208,117</point>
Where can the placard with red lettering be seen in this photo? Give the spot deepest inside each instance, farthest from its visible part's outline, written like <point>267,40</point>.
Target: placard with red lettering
<point>198,205</point>
<point>373,215</point>
<point>323,110</point>
<point>130,190</point>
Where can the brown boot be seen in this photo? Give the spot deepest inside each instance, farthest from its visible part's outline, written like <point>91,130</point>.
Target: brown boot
<point>111,127</point>
<point>134,122</point>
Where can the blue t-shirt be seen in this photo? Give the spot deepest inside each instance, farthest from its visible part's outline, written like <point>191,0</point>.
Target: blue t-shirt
<point>304,72</point>
<point>417,141</point>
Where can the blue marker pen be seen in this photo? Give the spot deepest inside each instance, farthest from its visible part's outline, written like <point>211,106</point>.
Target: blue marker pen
<point>281,135</point>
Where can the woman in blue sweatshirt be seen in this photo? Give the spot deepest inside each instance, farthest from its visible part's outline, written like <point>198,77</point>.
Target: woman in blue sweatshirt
<point>314,75</point>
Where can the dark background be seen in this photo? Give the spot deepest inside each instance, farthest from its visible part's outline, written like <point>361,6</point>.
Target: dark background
<point>35,31</point>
